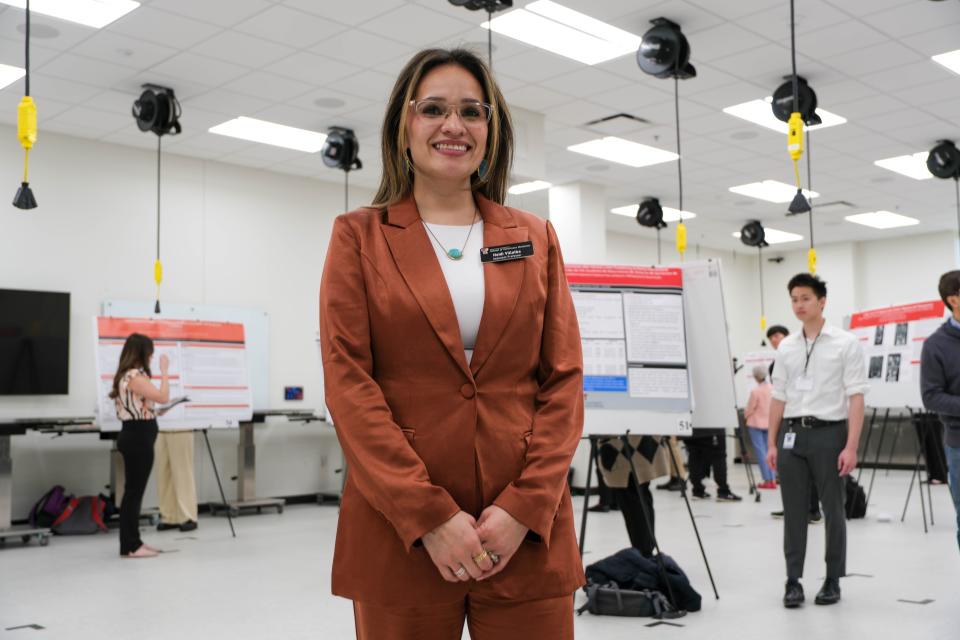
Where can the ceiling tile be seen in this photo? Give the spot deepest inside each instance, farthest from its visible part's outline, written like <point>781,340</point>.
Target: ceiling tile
<point>585,82</point>
<point>417,24</point>
<point>260,83</point>
<point>723,40</point>
<point>914,17</point>
<point>345,103</point>
<point>11,52</point>
<point>193,67</point>
<point>536,98</point>
<point>859,110</point>
<point>223,14</point>
<point>358,11</point>
<point>934,41</point>
<point>536,66</point>
<point>50,33</point>
<point>291,116</point>
<point>227,102</point>
<point>86,70</point>
<point>874,58</point>
<point>91,121</point>
<point>372,85</point>
<point>120,49</point>
<point>242,49</point>
<point>43,86</point>
<point>361,48</point>
<point>312,68</point>
<point>163,28</point>
<point>290,27</point>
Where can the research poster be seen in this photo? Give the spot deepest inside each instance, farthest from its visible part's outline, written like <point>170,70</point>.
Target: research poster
<point>634,345</point>
<point>209,377</point>
<point>892,339</point>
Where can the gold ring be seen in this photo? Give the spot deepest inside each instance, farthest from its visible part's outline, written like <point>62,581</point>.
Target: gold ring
<point>480,557</point>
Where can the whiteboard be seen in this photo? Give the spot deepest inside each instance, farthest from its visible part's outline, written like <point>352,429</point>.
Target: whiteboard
<point>708,344</point>
<point>256,327</point>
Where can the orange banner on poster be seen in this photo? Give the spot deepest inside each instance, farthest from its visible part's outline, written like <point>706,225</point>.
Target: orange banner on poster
<point>903,313</point>
<point>177,330</point>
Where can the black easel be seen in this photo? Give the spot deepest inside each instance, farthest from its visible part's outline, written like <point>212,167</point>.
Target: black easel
<point>917,418</point>
<point>664,442</point>
<point>866,445</point>
<point>219,484</point>
<point>744,452</point>
<point>876,461</point>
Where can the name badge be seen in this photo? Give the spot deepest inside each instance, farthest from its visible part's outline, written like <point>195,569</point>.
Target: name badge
<point>789,440</point>
<point>804,383</point>
<point>507,252</point>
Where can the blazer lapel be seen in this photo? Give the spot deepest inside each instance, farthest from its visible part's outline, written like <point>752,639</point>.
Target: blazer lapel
<point>417,262</point>
<point>502,281</point>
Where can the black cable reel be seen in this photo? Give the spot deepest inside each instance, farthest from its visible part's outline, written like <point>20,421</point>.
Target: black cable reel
<point>157,110</point>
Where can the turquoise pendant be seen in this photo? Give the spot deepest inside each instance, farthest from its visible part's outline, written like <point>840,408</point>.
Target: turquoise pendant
<point>454,254</point>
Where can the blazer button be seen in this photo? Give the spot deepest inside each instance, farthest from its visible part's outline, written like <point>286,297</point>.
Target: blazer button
<point>467,391</point>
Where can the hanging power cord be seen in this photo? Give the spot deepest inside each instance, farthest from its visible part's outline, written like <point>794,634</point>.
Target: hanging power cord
<point>346,191</point>
<point>157,265</point>
<point>26,127</point>
<point>956,183</point>
<point>681,228</point>
<point>812,252</point>
<point>795,124</point>
<point>490,39</point>
<point>763,312</point>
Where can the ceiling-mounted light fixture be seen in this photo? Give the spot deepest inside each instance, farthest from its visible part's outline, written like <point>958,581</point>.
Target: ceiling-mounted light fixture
<point>665,53</point>
<point>912,165</point>
<point>157,110</point>
<point>26,128</point>
<point>529,187</point>
<point>90,13</point>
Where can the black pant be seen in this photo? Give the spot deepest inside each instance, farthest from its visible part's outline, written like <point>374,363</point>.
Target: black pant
<point>706,452</point>
<point>632,503</point>
<point>136,446</point>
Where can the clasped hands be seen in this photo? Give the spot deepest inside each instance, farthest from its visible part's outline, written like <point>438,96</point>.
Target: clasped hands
<point>464,549</point>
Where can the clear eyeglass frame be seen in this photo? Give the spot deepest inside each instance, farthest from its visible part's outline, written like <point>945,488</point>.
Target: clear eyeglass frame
<point>470,112</point>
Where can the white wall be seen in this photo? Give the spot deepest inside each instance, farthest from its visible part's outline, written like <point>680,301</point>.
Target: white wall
<point>231,236</point>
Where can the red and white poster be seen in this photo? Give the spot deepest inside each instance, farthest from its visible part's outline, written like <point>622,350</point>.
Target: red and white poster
<point>892,340</point>
<point>208,370</point>
<point>634,346</point>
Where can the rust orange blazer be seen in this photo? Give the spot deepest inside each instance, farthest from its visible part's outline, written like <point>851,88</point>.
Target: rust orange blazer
<point>427,434</point>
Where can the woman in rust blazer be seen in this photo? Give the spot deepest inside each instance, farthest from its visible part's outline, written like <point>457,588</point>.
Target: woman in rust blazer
<point>456,505</point>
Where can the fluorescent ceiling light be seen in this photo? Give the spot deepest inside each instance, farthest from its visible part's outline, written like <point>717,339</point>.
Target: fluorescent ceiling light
<point>883,220</point>
<point>528,187</point>
<point>566,32</point>
<point>950,59</point>
<point>92,13</point>
<point>278,135</point>
<point>669,214</point>
<point>9,75</point>
<point>622,151</point>
<point>771,191</point>
<point>775,236</point>
<point>913,166</point>
<point>759,112</point>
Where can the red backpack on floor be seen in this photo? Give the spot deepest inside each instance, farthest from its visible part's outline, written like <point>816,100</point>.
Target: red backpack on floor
<point>83,515</point>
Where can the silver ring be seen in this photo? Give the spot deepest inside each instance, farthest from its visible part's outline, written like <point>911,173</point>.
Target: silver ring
<point>459,572</point>
<point>493,557</point>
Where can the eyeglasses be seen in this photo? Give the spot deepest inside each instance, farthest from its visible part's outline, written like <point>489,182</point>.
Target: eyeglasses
<point>469,112</point>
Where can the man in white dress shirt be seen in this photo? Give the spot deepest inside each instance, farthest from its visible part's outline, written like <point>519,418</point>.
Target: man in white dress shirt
<point>819,380</point>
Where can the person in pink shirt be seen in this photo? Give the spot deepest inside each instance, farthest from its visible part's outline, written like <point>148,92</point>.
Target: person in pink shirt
<point>757,416</point>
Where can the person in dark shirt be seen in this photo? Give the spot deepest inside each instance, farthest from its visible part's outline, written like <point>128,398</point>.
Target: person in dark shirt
<point>940,380</point>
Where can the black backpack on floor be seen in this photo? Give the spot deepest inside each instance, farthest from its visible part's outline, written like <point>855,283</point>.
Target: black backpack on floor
<point>856,501</point>
<point>611,600</point>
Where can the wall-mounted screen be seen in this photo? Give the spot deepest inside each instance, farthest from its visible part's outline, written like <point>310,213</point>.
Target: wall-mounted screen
<point>34,342</point>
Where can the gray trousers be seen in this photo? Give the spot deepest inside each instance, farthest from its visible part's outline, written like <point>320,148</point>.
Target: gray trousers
<point>813,457</point>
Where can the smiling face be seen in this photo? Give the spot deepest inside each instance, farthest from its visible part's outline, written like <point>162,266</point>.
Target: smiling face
<point>447,148</point>
<point>806,305</point>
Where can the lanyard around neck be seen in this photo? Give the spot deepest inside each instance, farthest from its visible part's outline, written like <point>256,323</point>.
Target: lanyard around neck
<point>813,346</point>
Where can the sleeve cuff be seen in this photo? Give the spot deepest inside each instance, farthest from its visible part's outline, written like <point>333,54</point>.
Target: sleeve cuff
<point>415,526</point>
<point>538,520</point>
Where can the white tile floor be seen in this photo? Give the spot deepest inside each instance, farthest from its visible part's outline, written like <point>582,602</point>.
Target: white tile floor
<point>273,582</point>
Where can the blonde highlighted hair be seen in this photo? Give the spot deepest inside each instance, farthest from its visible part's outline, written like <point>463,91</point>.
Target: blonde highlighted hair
<point>396,181</point>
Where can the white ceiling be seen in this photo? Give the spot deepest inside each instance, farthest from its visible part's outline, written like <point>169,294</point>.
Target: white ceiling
<point>868,60</point>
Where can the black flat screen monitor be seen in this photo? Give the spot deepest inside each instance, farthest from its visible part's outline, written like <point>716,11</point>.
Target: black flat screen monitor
<point>34,342</point>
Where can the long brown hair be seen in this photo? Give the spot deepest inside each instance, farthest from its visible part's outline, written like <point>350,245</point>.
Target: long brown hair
<point>396,181</point>
<point>136,354</point>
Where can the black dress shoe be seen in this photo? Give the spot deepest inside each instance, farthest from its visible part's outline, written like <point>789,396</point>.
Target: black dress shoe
<point>829,593</point>
<point>674,484</point>
<point>189,525</point>
<point>166,526</point>
<point>600,508</point>
<point>815,517</point>
<point>701,494</point>
<point>793,596</point>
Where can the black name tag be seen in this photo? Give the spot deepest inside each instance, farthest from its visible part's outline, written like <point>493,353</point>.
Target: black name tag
<point>506,252</point>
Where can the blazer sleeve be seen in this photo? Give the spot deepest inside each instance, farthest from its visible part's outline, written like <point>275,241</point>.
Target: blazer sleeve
<point>534,496</point>
<point>382,465</point>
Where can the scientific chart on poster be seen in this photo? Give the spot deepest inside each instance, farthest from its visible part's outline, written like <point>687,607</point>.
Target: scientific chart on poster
<point>632,328</point>
<point>892,340</point>
<point>209,378</point>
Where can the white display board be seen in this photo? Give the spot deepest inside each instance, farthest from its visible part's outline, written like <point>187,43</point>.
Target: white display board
<point>256,325</point>
<point>892,339</point>
<point>208,366</point>
<point>654,362</point>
